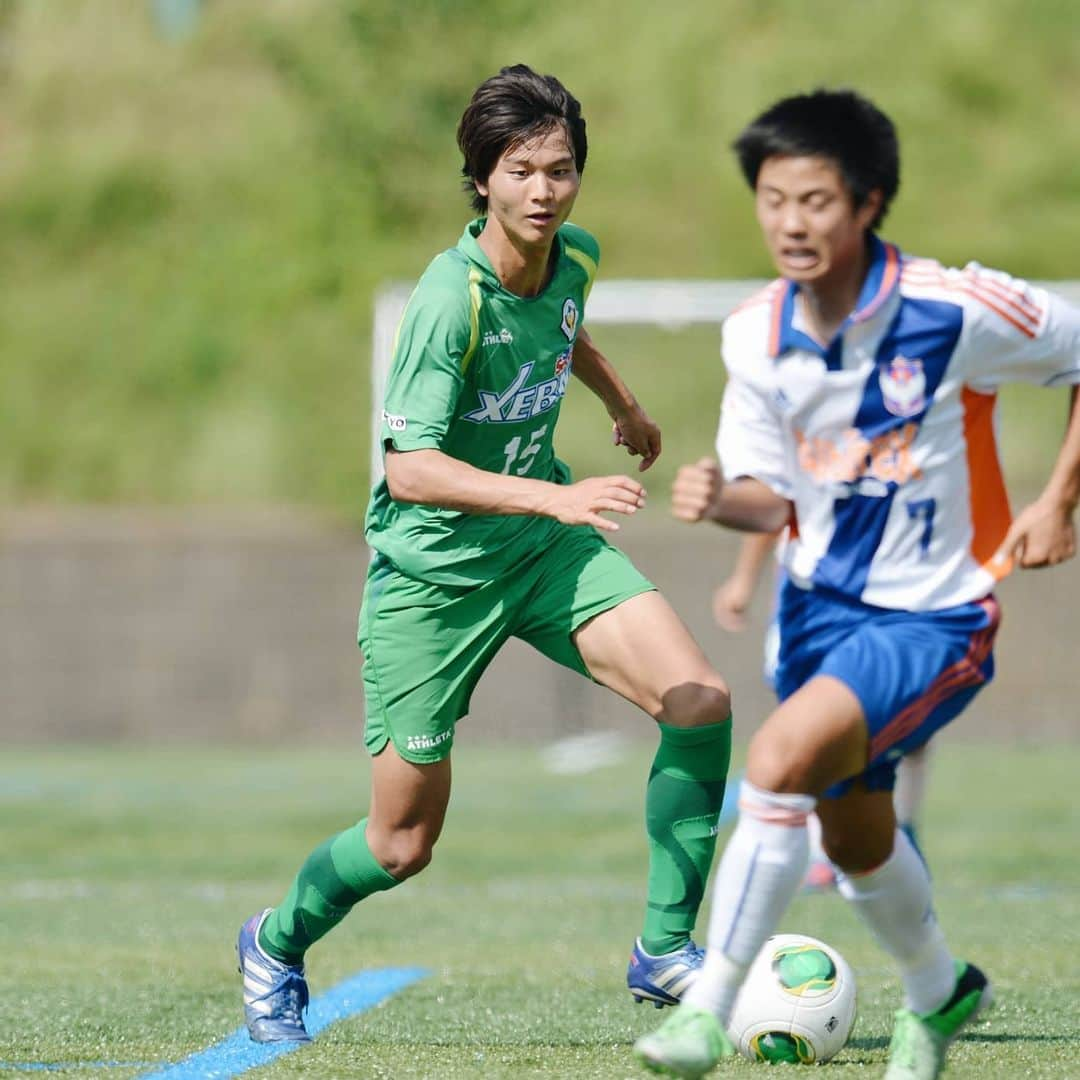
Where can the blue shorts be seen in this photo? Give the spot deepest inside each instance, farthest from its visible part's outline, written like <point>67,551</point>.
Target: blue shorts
<point>912,671</point>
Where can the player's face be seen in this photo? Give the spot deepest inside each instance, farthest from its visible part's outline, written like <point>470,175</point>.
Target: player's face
<point>532,188</point>
<point>813,230</point>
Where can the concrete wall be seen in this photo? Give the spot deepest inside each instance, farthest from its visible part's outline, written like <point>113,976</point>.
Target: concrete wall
<point>150,626</point>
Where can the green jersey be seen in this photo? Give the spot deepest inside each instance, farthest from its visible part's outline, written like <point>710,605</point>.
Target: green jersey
<point>479,374</point>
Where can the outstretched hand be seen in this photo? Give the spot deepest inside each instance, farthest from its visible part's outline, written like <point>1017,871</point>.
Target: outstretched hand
<point>1043,534</point>
<point>583,502</point>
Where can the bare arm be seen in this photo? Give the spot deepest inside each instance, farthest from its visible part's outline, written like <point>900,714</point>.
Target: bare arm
<point>633,428</point>
<point>1044,533</point>
<point>700,494</point>
<point>433,478</point>
<point>732,596</point>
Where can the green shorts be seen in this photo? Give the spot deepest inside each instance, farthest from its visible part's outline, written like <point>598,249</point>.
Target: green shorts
<point>425,646</point>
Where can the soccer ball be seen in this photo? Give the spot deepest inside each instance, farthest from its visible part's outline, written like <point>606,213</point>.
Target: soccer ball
<point>797,1004</point>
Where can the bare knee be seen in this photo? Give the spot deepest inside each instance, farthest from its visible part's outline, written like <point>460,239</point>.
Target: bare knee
<point>857,853</point>
<point>402,853</point>
<point>778,762</point>
<point>697,704</point>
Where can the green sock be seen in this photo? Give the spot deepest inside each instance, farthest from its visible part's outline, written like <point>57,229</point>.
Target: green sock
<point>682,810</point>
<point>336,875</point>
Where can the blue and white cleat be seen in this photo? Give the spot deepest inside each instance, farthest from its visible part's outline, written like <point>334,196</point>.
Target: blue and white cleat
<point>275,994</point>
<point>663,979</point>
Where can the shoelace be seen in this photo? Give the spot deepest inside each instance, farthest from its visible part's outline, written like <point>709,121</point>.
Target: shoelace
<point>294,997</point>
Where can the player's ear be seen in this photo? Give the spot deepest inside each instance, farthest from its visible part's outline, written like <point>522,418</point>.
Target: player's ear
<point>871,207</point>
<point>481,189</point>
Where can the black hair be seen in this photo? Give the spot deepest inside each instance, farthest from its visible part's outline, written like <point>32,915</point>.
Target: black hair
<point>839,125</point>
<point>509,109</point>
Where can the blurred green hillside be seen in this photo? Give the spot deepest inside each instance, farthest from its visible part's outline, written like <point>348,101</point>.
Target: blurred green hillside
<point>193,228</point>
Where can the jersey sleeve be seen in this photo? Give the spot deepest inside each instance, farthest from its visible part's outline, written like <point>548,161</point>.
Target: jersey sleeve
<point>1016,332</point>
<point>426,374</point>
<point>582,247</point>
<point>750,440</point>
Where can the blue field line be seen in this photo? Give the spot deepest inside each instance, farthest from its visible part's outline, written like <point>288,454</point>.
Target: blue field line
<point>730,809</point>
<point>237,1053</point>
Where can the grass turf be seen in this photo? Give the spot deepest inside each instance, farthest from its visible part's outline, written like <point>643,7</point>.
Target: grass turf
<point>126,874</point>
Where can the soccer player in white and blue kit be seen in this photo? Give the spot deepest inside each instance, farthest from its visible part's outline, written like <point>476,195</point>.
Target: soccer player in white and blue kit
<point>860,409</point>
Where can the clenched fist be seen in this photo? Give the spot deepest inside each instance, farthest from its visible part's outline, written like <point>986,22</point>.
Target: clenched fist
<point>696,489</point>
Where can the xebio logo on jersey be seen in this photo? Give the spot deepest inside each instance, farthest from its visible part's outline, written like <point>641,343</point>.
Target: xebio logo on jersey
<point>569,318</point>
<point>514,403</point>
<point>903,386</point>
<point>393,422</point>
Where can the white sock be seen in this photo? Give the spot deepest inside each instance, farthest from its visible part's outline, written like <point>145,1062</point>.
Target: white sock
<point>760,871</point>
<point>910,791</point>
<point>813,836</point>
<point>895,902</point>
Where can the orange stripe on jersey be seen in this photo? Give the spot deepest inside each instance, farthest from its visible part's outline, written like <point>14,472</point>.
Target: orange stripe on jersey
<point>888,280</point>
<point>977,291</point>
<point>762,296</point>
<point>777,318</point>
<point>990,513</point>
<point>1014,298</point>
<point>933,273</point>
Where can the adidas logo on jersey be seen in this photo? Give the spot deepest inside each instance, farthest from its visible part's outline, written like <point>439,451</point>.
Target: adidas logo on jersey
<point>518,402</point>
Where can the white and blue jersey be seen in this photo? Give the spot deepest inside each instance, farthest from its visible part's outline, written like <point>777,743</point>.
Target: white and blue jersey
<point>884,439</point>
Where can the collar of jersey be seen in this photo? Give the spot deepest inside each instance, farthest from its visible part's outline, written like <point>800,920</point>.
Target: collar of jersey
<point>469,246</point>
<point>882,281</point>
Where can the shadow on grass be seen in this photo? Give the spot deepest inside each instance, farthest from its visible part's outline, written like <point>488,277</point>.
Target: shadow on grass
<point>881,1042</point>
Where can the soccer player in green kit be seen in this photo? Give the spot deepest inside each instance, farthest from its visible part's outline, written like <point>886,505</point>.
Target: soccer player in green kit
<point>479,535</point>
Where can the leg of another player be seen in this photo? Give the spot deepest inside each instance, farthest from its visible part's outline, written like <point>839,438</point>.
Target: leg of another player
<point>889,889</point>
<point>893,898</point>
<point>814,739</point>
<point>910,792</point>
<point>643,651</point>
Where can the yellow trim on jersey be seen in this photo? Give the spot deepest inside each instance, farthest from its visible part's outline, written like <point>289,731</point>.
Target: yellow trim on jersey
<point>475,278</point>
<point>587,264</point>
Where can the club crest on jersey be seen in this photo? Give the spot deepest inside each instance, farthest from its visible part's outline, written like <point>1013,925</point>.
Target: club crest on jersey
<point>569,318</point>
<point>519,402</point>
<point>903,386</point>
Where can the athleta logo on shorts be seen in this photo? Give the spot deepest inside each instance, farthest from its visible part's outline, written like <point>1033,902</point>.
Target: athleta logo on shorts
<point>515,403</point>
<point>426,742</point>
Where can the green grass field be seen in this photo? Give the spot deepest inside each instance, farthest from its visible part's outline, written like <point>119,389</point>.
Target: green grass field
<point>126,874</point>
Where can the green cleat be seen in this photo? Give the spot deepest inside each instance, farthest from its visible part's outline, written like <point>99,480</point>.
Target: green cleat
<point>919,1042</point>
<point>687,1045</point>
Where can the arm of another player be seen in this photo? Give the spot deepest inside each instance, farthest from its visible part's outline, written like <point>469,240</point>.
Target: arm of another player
<point>700,494</point>
<point>1044,533</point>
<point>732,597</point>
<point>432,478</point>
<point>633,428</point>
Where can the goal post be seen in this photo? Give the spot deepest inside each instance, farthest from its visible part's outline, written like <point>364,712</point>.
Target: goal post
<point>670,305</point>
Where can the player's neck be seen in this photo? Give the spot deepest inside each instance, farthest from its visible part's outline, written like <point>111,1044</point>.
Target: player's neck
<point>522,269</point>
<point>828,302</point>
